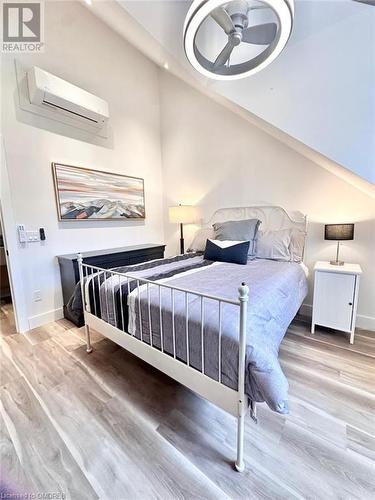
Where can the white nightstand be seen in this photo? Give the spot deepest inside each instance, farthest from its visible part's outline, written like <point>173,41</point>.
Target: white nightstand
<point>336,296</point>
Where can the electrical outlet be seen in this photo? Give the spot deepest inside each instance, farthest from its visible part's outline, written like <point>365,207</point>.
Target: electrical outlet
<point>37,296</point>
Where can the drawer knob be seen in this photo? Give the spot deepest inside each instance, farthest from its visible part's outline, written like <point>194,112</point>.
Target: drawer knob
<point>350,303</point>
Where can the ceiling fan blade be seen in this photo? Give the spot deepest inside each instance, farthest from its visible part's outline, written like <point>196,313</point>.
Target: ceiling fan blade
<point>223,19</point>
<point>262,34</point>
<point>369,2</point>
<point>260,7</point>
<point>224,55</point>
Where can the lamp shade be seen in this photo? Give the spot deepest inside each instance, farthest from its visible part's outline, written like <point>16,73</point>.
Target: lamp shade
<point>339,232</point>
<point>183,214</point>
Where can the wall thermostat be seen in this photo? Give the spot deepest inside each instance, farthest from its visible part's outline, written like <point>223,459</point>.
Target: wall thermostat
<point>21,233</point>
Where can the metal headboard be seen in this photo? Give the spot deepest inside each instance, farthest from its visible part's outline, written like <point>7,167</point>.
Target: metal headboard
<point>272,217</point>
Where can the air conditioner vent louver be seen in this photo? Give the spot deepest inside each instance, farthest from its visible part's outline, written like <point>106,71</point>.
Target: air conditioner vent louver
<point>51,104</point>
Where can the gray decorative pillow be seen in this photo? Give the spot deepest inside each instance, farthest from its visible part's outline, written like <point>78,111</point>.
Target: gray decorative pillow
<point>238,230</point>
<point>274,245</point>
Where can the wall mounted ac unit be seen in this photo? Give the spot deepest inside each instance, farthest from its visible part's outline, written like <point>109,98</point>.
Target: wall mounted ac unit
<point>50,91</point>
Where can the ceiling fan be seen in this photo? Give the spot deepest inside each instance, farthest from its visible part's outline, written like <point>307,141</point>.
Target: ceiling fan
<point>368,2</point>
<point>234,18</point>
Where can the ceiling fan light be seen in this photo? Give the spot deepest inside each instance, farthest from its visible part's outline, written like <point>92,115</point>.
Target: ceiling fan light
<point>201,9</point>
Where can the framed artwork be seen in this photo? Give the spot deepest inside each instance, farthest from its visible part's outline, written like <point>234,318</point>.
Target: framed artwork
<point>85,194</point>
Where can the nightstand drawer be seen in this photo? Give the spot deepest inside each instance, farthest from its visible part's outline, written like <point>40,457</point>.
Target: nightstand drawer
<point>334,299</point>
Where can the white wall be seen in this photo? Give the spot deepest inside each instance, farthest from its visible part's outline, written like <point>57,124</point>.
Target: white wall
<point>214,158</point>
<point>211,157</point>
<point>84,51</point>
<point>320,90</point>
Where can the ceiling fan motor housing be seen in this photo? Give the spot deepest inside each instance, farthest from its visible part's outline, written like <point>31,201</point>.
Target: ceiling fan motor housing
<point>233,18</point>
<point>237,10</point>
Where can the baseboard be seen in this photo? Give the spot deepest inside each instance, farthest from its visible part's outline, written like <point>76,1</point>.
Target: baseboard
<point>47,317</point>
<point>364,322</point>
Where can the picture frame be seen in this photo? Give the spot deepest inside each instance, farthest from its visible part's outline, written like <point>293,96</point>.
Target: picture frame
<point>90,194</point>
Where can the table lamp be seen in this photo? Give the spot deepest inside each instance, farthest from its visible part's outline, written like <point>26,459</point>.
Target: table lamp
<point>182,214</point>
<point>338,232</point>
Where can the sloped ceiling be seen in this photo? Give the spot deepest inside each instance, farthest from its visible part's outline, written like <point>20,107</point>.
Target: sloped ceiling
<point>321,90</point>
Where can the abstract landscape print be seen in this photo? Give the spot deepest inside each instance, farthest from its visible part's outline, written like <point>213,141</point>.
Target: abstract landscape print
<point>85,194</point>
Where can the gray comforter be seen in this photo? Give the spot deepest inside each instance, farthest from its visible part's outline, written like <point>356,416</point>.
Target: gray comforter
<point>277,290</point>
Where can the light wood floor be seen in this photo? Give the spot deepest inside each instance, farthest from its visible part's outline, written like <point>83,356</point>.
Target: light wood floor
<point>108,426</point>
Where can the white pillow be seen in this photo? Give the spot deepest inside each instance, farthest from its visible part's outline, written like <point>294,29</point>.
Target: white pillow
<point>297,244</point>
<point>226,243</point>
<point>274,245</point>
<point>200,238</point>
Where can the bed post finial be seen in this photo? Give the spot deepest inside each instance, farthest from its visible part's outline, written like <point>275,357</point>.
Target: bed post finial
<point>243,297</point>
<point>243,292</point>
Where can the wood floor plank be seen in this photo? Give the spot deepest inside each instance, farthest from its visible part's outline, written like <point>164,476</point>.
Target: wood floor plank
<point>123,448</point>
<point>13,479</point>
<point>351,478</point>
<point>333,399</point>
<point>361,442</point>
<point>318,422</point>
<point>43,455</point>
<point>362,344</point>
<point>174,477</point>
<point>351,372</point>
<point>8,371</point>
<point>67,340</point>
<point>63,323</point>
<point>7,323</point>
<point>102,460</point>
<point>80,332</point>
<point>313,466</point>
<point>37,335</point>
<point>121,373</point>
<point>345,353</point>
<point>368,334</point>
<point>43,364</point>
<point>128,431</point>
<point>215,458</point>
<point>272,446</point>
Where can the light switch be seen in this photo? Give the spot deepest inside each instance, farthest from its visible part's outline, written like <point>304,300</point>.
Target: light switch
<point>32,236</point>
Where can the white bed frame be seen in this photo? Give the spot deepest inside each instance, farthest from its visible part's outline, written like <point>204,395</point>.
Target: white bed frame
<point>230,400</point>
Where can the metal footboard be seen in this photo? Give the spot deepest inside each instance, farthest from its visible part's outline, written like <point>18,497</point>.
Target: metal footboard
<point>232,401</point>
